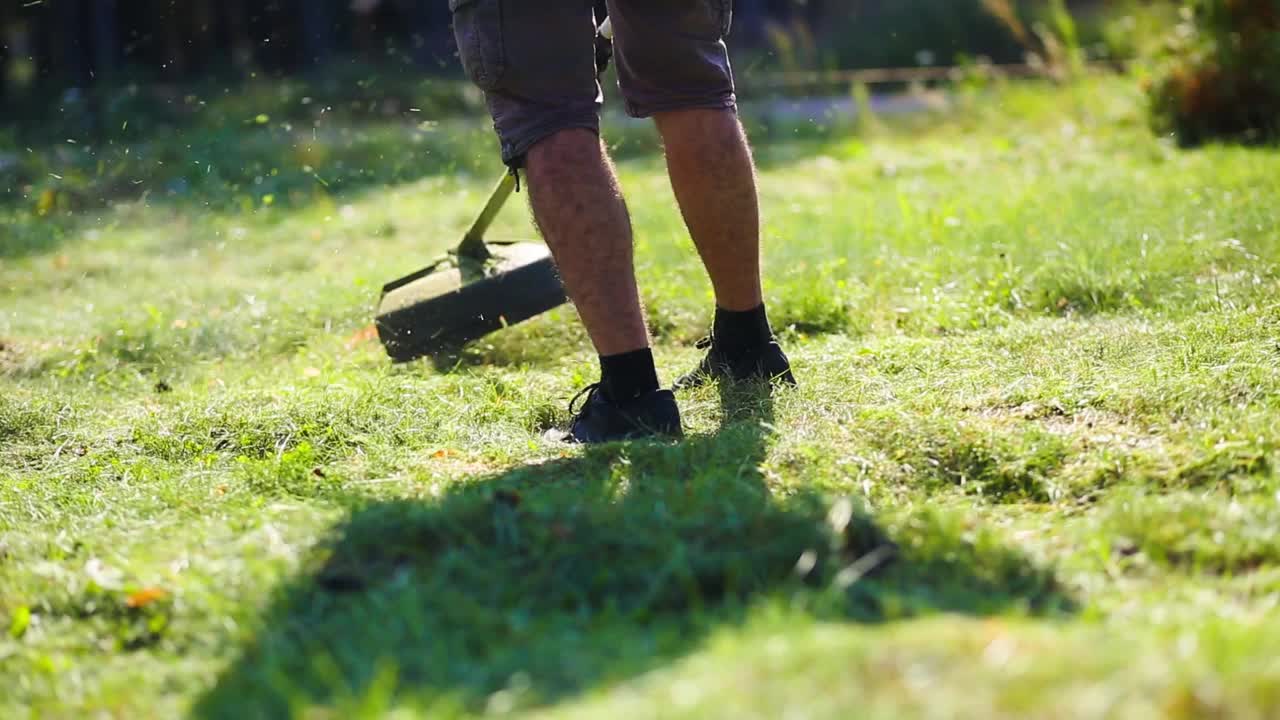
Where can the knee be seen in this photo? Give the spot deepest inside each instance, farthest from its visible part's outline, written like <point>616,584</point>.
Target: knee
<point>564,149</point>
<point>694,117</point>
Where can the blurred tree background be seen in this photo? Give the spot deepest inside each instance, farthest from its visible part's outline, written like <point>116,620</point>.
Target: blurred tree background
<point>51,45</point>
<point>85,65</point>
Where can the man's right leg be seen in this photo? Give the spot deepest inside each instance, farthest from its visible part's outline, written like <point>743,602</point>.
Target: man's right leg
<point>579,209</point>
<point>536,63</point>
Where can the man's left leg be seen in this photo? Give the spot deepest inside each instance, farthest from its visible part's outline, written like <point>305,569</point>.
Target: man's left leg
<point>673,66</point>
<point>714,180</point>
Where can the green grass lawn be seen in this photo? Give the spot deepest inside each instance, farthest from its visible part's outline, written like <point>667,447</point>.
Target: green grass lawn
<point>1030,469</point>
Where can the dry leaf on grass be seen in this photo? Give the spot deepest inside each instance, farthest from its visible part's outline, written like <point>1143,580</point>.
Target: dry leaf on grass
<point>145,597</point>
<point>361,336</point>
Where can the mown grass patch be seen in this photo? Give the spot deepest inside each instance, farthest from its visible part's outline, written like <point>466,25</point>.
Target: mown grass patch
<point>1031,462</point>
<point>1207,532</point>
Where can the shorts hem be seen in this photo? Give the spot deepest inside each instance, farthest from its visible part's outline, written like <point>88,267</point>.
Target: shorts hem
<point>514,154</point>
<point>648,110</point>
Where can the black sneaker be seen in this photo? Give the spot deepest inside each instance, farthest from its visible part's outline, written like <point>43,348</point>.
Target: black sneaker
<point>601,420</point>
<point>765,363</point>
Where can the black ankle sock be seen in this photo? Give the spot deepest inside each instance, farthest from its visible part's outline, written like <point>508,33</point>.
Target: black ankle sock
<point>629,375</point>
<point>740,331</point>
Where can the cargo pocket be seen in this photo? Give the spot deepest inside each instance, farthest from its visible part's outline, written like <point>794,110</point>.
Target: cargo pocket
<point>477,25</point>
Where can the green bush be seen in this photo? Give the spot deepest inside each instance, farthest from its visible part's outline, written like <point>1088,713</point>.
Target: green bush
<point>1218,75</point>
<point>1134,30</point>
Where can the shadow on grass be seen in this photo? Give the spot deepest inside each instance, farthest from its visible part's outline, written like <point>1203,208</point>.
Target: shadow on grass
<point>548,580</point>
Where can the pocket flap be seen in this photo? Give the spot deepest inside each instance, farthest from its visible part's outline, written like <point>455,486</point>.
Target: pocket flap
<point>455,4</point>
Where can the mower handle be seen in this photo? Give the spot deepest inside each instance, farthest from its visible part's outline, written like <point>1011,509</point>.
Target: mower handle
<point>472,244</point>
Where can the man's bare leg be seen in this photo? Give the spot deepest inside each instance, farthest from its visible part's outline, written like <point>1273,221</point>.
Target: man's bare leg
<point>714,180</point>
<point>579,209</point>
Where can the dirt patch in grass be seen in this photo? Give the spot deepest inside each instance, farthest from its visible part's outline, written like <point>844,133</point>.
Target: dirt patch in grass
<point>19,360</point>
<point>1098,448</point>
<point>1004,465</point>
<point>1094,427</point>
<point>21,418</point>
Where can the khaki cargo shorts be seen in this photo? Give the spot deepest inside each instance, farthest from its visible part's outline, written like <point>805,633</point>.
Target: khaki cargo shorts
<point>535,60</point>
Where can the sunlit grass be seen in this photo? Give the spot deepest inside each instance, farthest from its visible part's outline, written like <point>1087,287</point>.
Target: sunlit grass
<point>1030,469</point>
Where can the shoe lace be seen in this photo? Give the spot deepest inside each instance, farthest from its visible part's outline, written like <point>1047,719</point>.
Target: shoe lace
<point>705,343</point>
<point>585,395</point>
